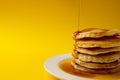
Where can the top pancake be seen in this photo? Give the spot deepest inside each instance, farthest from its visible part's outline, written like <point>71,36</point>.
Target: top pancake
<point>95,33</point>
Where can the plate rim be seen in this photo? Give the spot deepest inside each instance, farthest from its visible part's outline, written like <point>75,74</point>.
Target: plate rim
<point>61,74</point>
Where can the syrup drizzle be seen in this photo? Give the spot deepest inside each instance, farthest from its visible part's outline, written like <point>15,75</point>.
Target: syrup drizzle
<point>78,15</point>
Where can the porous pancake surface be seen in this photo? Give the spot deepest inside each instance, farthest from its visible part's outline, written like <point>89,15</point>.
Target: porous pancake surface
<point>105,42</point>
<point>97,51</point>
<point>105,58</point>
<point>92,65</point>
<point>96,71</point>
<point>95,33</point>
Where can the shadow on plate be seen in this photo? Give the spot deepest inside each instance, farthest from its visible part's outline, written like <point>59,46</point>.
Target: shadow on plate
<point>54,78</point>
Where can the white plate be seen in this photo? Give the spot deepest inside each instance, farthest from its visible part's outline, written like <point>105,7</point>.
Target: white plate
<point>52,66</point>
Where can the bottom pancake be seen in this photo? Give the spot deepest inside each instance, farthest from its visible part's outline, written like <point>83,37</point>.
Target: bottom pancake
<point>95,71</point>
<point>92,65</point>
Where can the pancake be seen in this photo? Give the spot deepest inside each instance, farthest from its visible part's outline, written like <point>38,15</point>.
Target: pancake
<point>95,33</point>
<point>92,65</point>
<point>96,51</point>
<point>96,71</point>
<point>105,42</point>
<point>105,58</point>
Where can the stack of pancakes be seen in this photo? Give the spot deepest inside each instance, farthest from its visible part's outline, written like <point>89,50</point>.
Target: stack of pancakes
<point>97,51</point>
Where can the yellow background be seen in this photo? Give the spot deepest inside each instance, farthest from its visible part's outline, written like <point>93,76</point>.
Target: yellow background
<point>31,31</point>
